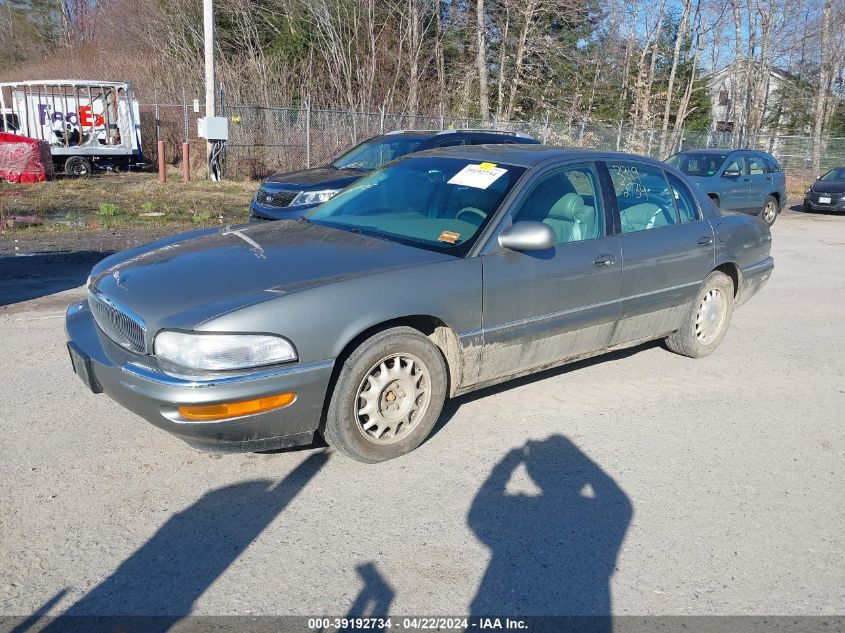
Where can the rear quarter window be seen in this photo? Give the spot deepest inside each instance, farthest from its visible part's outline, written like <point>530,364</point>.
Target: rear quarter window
<point>772,166</point>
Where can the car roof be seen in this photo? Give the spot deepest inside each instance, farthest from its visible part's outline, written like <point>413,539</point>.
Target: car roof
<point>490,133</point>
<point>721,150</point>
<point>528,155</point>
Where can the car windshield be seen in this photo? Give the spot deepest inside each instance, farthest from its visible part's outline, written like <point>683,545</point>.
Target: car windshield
<point>435,203</point>
<point>834,174</point>
<point>697,163</point>
<point>374,153</point>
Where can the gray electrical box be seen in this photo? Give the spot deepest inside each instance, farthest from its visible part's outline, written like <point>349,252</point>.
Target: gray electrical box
<point>213,128</point>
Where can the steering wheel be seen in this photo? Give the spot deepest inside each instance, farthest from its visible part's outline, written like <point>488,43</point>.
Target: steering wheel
<point>471,211</point>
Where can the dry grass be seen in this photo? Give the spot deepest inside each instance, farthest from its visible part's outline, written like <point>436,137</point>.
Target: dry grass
<point>796,186</point>
<point>120,200</point>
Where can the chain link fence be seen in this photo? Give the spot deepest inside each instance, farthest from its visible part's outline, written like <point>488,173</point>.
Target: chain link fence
<point>265,140</point>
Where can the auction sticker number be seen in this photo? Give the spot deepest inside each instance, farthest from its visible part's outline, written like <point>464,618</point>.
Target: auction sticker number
<point>479,176</point>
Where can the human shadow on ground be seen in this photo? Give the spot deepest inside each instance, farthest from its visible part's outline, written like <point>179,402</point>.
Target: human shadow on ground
<point>552,553</point>
<point>158,585</point>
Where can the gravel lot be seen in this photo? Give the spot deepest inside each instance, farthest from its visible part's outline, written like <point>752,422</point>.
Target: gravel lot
<point>682,486</point>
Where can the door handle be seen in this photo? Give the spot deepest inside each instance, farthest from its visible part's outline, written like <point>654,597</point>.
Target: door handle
<point>604,261</point>
<point>705,241</point>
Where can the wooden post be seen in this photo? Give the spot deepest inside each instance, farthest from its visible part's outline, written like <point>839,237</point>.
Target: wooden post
<point>186,162</point>
<point>162,170</point>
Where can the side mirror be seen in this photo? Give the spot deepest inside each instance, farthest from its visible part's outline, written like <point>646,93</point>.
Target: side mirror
<point>527,236</point>
<point>731,174</point>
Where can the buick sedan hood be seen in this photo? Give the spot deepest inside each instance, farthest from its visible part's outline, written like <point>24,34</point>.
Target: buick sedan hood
<point>181,282</point>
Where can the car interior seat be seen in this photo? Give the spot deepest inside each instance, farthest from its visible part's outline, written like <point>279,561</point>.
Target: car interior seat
<point>646,215</point>
<point>572,220</point>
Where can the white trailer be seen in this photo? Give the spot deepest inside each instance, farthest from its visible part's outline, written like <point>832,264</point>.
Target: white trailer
<point>88,124</point>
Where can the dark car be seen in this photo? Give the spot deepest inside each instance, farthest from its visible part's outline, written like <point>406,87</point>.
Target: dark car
<point>736,180</point>
<point>445,271</point>
<point>827,193</point>
<point>292,195</point>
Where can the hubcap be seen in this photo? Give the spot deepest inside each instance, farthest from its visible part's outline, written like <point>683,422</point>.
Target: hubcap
<point>769,212</point>
<point>393,396</point>
<point>710,316</point>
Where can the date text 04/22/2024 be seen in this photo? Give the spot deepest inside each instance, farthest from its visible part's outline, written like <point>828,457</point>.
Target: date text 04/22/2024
<point>421,623</point>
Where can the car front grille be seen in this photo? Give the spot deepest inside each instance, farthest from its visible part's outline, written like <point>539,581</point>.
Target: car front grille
<point>117,323</point>
<point>275,198</point>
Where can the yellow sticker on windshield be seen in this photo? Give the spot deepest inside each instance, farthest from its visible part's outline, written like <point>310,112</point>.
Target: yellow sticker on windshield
<point>487,165</point>
<point>449,236</point>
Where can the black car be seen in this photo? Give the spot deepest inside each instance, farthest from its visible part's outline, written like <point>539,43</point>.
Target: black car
<point>827,193</point>
<point>291,195</point>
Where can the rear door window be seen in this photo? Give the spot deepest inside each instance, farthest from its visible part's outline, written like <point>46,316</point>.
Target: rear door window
<point>684,201</point>
<point>772,165</point>
<point>756,166</point>
<point>643,195</point>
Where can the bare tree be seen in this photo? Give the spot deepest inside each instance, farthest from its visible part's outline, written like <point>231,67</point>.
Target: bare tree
<point>481,60</point>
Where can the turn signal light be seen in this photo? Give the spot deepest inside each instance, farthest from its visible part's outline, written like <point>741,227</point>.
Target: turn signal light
<point>236,409</point>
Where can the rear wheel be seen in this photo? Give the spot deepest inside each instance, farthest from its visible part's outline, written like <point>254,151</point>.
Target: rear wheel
<point>78,166</point>
<point>770,210</point>
<point>388,396</point>
<point>707,322</point>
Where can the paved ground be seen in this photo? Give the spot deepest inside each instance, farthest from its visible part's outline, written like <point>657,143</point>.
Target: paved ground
<point>682,486</point>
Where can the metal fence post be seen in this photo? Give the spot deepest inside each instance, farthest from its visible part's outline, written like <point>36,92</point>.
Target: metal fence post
<point>186,146</point>
<point>162,168</point>
<point>307,134</point>
<point>619,136</point>
<point>381,119</point>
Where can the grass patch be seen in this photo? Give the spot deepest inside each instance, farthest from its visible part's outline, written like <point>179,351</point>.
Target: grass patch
<point>69,204</point>
<point>201,217</point>
<point>108,210</point>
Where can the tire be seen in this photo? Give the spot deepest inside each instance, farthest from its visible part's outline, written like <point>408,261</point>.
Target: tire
<point>78,166</point>
<point>770,210</point>
<point>696,341</point>
<point>397,420</point>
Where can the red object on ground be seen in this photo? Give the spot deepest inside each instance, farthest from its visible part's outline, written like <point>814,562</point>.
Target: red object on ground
<point>24,159</point>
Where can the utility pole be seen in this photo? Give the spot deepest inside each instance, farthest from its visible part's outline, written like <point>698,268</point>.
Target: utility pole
<point>208,29</point>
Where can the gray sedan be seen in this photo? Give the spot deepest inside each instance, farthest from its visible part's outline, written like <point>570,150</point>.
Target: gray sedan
<point>446,271</point>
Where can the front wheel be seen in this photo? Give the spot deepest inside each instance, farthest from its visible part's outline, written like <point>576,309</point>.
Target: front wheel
<point>707,322</point>
<point>78,166</point>
<point>388,396</point>
<point>770,210</point>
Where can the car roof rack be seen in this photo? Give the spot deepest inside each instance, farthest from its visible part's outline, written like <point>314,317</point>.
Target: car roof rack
<point>482,130</point>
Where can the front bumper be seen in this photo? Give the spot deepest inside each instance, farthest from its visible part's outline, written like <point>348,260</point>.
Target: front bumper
<point>135,382</point>
<point>836,205</point>
<point>261,213</point>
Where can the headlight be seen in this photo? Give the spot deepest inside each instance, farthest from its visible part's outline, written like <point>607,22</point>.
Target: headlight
<point>198,350</point>
<point>313,197</point>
